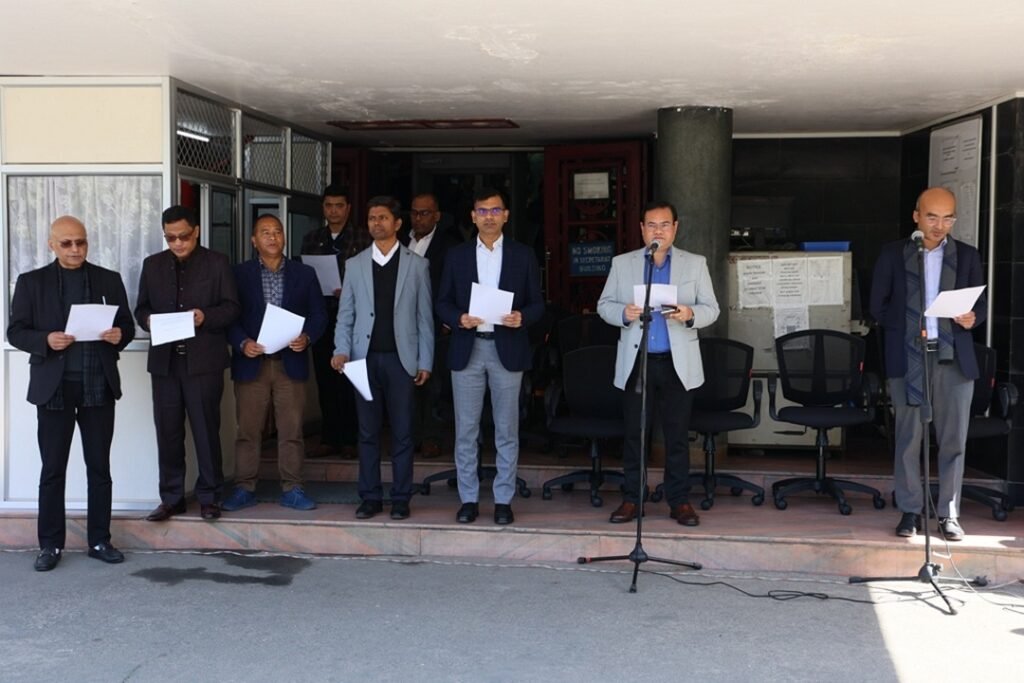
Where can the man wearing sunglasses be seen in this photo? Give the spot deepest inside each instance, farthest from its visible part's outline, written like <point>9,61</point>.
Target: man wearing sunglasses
<point>188,375</point>
<point>71,381</point>
<point>486,356</point>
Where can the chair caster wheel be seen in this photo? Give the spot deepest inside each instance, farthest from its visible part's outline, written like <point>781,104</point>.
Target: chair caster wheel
<point>706,504</point>
<point>999,515</point>
<point>525,492</point>
<point>567,487</point>
<point>453,482</point>
<point>757,499</point>
<point>845,509</point>
<point>424,489</point>
<point>545,493</point>
<point>781,503</point>
<point>736,491</point>
<point>656,496</point>
<point>878,502</point>
<point>596,501</point>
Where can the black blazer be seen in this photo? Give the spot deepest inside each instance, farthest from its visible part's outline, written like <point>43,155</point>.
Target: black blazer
<point>520,275</point>
<point>440,243</point>
<point>889,306</point>
<point>208,286</point>
<point>37,311</point>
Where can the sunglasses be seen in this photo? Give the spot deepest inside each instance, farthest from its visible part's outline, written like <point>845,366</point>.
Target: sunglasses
<point>171,239</point>
<point>67,244</point>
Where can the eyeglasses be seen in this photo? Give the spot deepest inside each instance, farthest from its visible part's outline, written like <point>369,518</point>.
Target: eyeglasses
<point>67,244</point>
<point>488,211</point>
<point>421,213</point>
<point>186,237</point>
<point>933,220</point>
<point>654,226</point>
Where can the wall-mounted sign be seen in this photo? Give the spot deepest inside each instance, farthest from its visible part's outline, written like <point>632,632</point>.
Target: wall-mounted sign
<point>590,259</point>
<point>590,186</point>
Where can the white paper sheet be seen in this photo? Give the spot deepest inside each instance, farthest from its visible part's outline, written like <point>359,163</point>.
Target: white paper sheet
<point>824,281</point>
<point>954,302</point>
<point>791,319</point>
<point>169,327</point>
<point>661,295</point>
<point>355,371</point>
<point>326,267</point>
<point>279,328</point>
<point>86,322</point>
<point>790,279</point>
<point>754,280</point>
<point>490,304</point>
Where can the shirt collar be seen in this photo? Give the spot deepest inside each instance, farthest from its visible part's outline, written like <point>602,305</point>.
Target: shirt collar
<point>380,258</point>
<point>498,243</point>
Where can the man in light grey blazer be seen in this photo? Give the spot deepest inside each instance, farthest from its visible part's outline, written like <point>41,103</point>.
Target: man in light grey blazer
<point>674,367</point>
<point>386,317</point>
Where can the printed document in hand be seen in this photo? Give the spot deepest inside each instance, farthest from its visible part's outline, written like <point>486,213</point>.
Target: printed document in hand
<point>169,327</point>
<point>86,322</point>
<point>326,268</point>
<point>279,328</point>
<point>661,295</point>
<point>355,370</point>
<point>490,304</point>
<point>954,302</point>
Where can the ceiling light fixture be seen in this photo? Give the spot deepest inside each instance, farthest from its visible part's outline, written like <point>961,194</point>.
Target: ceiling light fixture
<point>426,124</point>
<point>194,136</point>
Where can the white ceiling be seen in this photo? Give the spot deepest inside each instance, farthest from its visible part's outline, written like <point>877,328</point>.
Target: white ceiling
<point>564,70</point>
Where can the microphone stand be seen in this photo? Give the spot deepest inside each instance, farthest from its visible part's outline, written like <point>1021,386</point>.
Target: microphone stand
<point>929,571</point>
<point>638,555</point>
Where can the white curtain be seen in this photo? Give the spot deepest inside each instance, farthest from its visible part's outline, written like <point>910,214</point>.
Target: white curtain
<point>121,216</point>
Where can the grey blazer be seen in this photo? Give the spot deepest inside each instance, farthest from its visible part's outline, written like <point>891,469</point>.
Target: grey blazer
<point>693,285</point>
<point>413,311</point>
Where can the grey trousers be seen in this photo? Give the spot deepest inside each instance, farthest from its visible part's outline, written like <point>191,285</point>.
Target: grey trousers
<point>468,386</point>
<point>951,408</point>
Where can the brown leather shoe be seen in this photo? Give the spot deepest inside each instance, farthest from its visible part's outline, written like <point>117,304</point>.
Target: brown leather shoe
<point>164,512</point>
<point>209,511</point>
<point>626,512</point>
<point>430,449</point>
<point>685,515</point>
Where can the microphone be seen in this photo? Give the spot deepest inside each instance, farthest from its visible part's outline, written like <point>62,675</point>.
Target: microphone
<point>918,239</point>
<point>656,245</point>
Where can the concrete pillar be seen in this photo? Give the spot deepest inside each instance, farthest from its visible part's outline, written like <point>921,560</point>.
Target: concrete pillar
<point>693,170</point>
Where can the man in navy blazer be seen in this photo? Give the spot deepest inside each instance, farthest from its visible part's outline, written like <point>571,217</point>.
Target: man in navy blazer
<point>263,379</point>
<point>953,367</point>
<point>484,355</point>
<point>71,381</point>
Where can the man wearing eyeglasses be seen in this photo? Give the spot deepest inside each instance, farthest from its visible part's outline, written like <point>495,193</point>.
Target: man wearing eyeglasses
<point>674,367</point>
<point>486,356</point>
<point>952,365</point>
<point>426,239</point>
<point>71,381</point>
<point>188,375</point>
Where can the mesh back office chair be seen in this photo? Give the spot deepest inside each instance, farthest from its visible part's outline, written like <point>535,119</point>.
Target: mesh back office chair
<point>716,405</point>
<point>594,413</point>
<point>585,329</point>
<point>822,372</point>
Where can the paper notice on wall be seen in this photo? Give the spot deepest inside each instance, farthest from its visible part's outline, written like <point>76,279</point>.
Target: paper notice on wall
<point>825,281</point>
<point>754,280</point>
<point>791,319</point>
<point>789,277</point>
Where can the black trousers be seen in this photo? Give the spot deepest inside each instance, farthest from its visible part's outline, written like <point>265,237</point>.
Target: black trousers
<point>56,429</point>
<point>339,425</point>
<point>391,387</point>
<point>175,396</point>
<point>666,396</point>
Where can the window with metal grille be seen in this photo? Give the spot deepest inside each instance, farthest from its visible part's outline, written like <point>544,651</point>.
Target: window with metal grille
<point>262,152</point>
<point>309,164</point>
<point>205,134</point>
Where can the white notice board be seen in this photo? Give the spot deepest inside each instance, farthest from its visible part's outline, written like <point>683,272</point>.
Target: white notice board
<point>954,162</point>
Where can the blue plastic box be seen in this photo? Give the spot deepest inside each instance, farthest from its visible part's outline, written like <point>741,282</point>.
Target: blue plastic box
<point>825,246</point>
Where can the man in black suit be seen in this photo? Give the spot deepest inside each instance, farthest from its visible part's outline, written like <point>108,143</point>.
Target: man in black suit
<point>486,356</point>
<point>432,243</point>
<point>188,375</point>
<point>342,238</point>
<point>71,381</point>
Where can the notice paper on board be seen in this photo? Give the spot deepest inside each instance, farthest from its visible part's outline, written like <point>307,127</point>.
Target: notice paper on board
<point>954,302</point>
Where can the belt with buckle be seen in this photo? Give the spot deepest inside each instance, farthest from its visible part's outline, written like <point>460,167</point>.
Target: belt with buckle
<point>485,335</point>
<point>932,345</point>
<point>181,349</point>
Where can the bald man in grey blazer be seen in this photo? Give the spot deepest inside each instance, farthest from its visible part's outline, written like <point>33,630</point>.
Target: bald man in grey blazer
<point>674,367</point>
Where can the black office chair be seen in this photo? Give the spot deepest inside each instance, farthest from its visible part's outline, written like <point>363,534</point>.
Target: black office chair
<point>822,372</point>
<point>594,413</point>
<point>998,399</point>
<point>584,329</point>
<point>727,367</point>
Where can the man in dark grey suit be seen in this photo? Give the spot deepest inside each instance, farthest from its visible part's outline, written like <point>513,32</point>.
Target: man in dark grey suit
<point>188,375</point>
<point>386,317</point>
<point>71,381</point>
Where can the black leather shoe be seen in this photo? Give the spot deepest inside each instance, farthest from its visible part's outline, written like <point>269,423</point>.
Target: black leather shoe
<point>368,508</point>
<point>467,513</point>
<point>503,514</point>
<point>209,511</point>
<point>47,559</point>
<point>106,553</point>
<point>163,511</point>
<point>909,525</point>
<point>399,509</point>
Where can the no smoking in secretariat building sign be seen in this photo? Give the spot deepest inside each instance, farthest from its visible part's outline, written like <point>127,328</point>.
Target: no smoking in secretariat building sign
<point>590,258</point>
